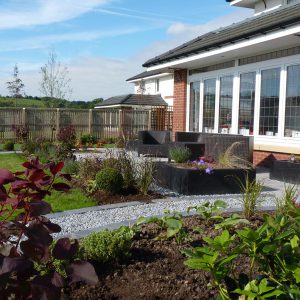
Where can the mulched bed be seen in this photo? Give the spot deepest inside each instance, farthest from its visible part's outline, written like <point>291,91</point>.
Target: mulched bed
<point>103,198</point>
<point>127,196</point>
<point>155,269</point>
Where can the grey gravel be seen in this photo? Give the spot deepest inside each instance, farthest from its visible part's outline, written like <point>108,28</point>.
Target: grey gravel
<point>86,221</point>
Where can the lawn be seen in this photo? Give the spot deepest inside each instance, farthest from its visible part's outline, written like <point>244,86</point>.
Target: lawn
<point>74,199</point>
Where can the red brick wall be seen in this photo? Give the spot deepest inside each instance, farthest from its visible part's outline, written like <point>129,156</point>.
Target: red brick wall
<point>264,158</point>
<point>179,104</point>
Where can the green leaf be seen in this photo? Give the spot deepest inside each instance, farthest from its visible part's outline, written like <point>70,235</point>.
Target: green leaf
<point>220,203</point>
<point>271,248</point>
<point>141,220</point>
<point>296,275</point>
<point>295,242</point>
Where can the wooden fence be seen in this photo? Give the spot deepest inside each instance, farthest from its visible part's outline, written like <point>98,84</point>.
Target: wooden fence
<point>45,122</point>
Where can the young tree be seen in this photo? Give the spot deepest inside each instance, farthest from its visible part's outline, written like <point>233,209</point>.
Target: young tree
<point>55,79</point>
<point>16,86</point>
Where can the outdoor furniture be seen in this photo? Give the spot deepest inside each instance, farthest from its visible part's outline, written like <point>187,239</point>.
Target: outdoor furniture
<point>216,144</point>
<point>154,143</point>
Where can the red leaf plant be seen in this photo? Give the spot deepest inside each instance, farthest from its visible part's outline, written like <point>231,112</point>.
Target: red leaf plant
<point>25,236</point>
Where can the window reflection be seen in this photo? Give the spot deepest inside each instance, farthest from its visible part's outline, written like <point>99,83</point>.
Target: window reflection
<point>209,101</point>
<point>225,111</point>
<point>194,105</point>
<point>247,101</point>
<point>292,108</point>
<point>269,102</point>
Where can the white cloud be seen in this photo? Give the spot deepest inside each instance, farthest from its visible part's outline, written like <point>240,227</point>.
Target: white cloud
<point>94,77</point>
<point>46,41</point>
<point>18,14</point>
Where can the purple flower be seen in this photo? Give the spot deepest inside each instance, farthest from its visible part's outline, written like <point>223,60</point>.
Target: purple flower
<point>194,168</point>
<point>201,162</point>
<point>209,171</point>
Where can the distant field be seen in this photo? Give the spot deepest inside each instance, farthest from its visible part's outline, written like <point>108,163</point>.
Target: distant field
<point>47,102</point>
<point>21,102</point>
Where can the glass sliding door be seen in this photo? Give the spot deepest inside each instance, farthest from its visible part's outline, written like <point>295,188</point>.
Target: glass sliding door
<point>269,102</point>
<point>209,101</point>
<point>292,107</point>
<point>194,106</point>
<point>247,101</point>
<point>225,109</point>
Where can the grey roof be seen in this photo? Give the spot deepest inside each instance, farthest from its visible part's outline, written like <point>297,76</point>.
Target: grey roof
<point>264,23</point>
<point>144,75</point>
<point>134,99</point>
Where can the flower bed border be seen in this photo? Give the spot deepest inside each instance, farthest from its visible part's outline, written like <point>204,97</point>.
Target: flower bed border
<point>194,182</point>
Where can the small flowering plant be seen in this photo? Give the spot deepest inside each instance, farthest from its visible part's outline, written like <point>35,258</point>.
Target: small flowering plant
<point>201,165</point>
<point>294,159</point>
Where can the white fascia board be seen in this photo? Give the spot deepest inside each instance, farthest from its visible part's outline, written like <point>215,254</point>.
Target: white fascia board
<point>249,4</point>
<point>150,77</point>
<point>236,46</point>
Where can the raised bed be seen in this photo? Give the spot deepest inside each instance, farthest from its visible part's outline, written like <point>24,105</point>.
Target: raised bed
<point>286,171</point>
<point>194,182</point>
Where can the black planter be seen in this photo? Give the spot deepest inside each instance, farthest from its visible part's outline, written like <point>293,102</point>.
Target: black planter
<point>195,182</point>
<point>286,171</point>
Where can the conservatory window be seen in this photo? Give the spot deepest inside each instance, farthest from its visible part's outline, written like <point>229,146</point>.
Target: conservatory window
<point>209,101</point>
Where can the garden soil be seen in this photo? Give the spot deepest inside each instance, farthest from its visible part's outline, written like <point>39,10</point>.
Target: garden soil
<point>156,269</point>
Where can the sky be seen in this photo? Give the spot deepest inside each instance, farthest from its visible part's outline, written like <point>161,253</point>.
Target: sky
<point>101,42</point>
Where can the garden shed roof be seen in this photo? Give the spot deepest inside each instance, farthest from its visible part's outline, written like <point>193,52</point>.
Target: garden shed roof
<point>134,99</point>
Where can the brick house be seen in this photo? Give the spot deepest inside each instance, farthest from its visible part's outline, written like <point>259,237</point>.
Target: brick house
<point>242,79</point>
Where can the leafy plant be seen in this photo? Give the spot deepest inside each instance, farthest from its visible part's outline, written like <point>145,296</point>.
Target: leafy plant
<point>145,170</point>
<point>107,246</point>
<point>25,240</point>
<point>109,180</point>
<point>274,252</point>
<point>66,138</point>
<point>21,133</point>
<point>231,221</point>
<point>171,224</point>
<point>209,211</point>
<point>262,290</point>
<point>289,194</point>
<point>89,167</point>
<point>71,166</point>
<point>9,146</point>
<point>214,258</point>
<point>88,139</point>
<point>251,193</point>
<point>180,154</point>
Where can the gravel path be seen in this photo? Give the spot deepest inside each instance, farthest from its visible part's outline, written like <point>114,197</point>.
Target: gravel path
<point>74,223</point>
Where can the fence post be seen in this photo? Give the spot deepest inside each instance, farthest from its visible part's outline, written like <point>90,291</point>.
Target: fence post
<point>90,120</point>
<point>57,120</point>
<point>24,117</point>
<point>149,119</point>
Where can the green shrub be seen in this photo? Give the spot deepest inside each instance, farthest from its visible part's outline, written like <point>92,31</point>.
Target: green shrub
<point>109,180</point>
<point>71,166</point>
<point>88,139</point>
<point>107,246</point>
<point>180,154</point>
<point>9,146</point>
